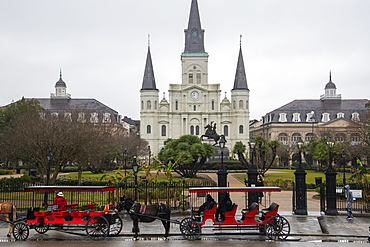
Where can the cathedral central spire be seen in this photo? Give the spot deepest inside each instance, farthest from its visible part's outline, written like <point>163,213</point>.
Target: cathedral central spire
<point>194,35</point>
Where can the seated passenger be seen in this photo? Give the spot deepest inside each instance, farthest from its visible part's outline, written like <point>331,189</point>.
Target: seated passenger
<point>226,205</point>
<point>60,201</point>
<point>209,204</point>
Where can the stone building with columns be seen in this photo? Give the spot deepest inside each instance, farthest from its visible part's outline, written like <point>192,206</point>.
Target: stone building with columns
<point>330,115</point>
<point>195,102</point>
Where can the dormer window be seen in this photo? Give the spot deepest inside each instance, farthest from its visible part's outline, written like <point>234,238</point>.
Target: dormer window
<point>340,115</point>
<point>282,117</point>
<point>94,117</point>
<point>325,117</point>
<point>68,116</point>
<point>107,118</point>
<point>296,117</point>
<point>310,117</point>
<point>81,117</point>
<point>355,117</point>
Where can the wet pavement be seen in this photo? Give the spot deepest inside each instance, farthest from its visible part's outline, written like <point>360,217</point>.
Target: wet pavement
<point>303,229</point>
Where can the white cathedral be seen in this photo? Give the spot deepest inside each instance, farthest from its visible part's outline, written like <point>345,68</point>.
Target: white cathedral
<point>194,103</point>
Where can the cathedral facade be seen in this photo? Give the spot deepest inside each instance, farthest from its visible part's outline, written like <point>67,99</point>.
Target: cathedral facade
<point>194,103</point>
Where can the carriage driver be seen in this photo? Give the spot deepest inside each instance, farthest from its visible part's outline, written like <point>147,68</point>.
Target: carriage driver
<point>60,201</point>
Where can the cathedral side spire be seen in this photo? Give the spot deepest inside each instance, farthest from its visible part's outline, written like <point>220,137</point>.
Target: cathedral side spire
<point>148,80</point>
<point>240,81</point>
<point>194,35</point>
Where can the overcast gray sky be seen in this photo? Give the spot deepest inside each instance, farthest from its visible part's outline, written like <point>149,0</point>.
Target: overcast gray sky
<point>289,47</point>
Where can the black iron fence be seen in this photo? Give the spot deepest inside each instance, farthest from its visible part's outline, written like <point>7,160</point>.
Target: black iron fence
<point>174,194</point>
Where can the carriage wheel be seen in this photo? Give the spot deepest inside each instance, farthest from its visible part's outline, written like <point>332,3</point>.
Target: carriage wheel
<point>189,229</point>
<point>116,227</point>
<point>97,227</point>
<point>42,229</point>
<point>21,231</point>
<point>277,228</point>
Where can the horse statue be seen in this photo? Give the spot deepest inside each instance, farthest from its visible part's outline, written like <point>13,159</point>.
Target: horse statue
<point>8,210</point>
<point>211,133</point>
<point>147,214</point>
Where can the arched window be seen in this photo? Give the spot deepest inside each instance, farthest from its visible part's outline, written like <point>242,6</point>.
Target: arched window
<point>194,35</point>
<point>197,130</point>
<point>148,105</point>
<point>191,79</point>
<point>163,130</point>
<point>295,138</point>
<point>213,105</point>
<point>148,129</point>
<point>142,105</point>
<point>192,130</point>
<point>234,104</point>
<point>355,139</point>
<point>339,137</point>
<point>199,78</point>
<point>176,105</point>
<point>195,107</point>
<point>283,139</point>
<point>226,130</point>
<point>240,104</point>
<point>155,105</point>
<point>309,136</point>
<point>241,129</point>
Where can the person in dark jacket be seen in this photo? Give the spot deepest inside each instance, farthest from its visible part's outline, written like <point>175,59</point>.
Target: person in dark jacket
<point>210,202</point>
<point>349,196</point>
<point>226,205</point>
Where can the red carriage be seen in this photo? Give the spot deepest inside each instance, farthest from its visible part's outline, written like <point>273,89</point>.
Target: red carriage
<point>266,221</point>
<point>97,222</point>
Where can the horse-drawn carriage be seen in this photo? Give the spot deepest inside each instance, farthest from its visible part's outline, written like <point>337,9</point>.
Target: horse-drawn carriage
<point>266,221</point>
<point>98,222</point>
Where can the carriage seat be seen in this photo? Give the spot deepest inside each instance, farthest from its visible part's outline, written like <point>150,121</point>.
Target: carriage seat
<point>250,212</point>
<point>270,211</point>
<point>210,213</point>
<point>232,212</point>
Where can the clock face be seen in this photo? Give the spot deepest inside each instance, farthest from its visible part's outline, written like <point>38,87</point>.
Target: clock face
<point>194,95</point>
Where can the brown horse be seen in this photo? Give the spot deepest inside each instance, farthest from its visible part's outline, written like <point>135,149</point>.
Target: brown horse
<point>142,213</point>
<point>8,210</point>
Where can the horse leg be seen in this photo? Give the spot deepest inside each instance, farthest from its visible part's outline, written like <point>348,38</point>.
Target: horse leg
<point>135,228</point>
<point>166,225</point>
<point>6,216</point>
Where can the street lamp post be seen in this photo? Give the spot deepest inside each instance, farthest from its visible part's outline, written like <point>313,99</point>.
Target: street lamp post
<point>222,172</point>
<point>331,182</point>
<point>49,157</point>
<point>125,160</point>
<point>135,168</point>
<point>252,173</point>
<point>150,153</point>
<point>300,182</point>
<point>344,166</point>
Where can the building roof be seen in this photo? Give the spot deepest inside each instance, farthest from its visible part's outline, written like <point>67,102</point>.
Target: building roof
<point>318,107</point>
<point>149,80</point>
<point>74,104</point>
<point>240,82</point>
<point>330,84</point>
<point>194,34</point>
